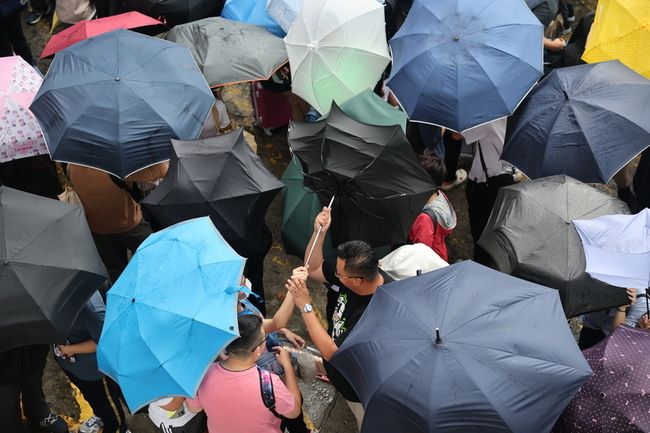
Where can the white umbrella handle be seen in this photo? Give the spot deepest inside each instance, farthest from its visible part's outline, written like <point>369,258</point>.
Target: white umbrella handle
<point>311,250</point>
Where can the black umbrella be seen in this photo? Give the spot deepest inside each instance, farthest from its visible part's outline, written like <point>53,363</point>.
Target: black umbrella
<point>530,236</point>
<point>174,12</point>
<point>379,185</point>
<point>220,177</point>
<point>49,268</point>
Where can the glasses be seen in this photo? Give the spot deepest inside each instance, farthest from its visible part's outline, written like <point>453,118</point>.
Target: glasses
<point>266,337</point>
<point>337,275</point>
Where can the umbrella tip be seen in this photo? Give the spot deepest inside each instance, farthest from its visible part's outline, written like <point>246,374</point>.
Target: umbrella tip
<point>566,96</point>
<point>438,339</point>
<point>133,300</point>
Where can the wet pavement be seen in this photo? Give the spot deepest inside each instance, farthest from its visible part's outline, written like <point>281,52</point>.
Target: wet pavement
<point>325,411</point>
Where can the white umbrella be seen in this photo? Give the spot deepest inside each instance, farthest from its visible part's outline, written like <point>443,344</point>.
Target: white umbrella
<point>617,248</point>
<point>337,49</point>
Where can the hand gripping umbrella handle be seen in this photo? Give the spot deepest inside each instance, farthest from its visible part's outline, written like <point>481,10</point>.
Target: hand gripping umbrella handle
<point>311,250</point>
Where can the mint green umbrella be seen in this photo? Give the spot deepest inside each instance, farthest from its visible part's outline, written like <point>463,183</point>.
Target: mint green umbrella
<point>299,209</point>
<point>369,108</point>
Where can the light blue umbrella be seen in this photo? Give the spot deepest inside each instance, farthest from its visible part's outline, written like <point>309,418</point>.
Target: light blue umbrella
<point>617,248</point>
<point>251,12</point>
<point>284,12</point>
<point>462,63</point>
<point>171,312</point>
<point>462,349</point>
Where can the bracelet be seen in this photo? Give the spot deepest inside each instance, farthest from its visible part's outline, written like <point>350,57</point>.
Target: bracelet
<point>621,311</point>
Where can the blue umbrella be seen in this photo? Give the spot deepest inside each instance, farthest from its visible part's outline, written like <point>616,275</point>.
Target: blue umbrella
<point>251,12</point>
<point>113,101</point>
<point>171,312</point>
<point>585,121</point>
<point>284,12</point>
<point>459,64</point>
<point>462,349</point>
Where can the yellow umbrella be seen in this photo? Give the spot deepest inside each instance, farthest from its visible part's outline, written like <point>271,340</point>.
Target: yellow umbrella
<point>621,30</point>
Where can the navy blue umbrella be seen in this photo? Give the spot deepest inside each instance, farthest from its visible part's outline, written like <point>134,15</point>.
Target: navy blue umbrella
<point>462,349</point>
<point>113,101</point>
<point>462,63</point>
<point>585,121</point>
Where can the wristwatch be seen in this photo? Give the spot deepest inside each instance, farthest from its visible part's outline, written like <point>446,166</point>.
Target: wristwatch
<point>308,308</point>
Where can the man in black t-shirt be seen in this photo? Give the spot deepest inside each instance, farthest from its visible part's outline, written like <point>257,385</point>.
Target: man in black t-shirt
<point>356,275</point>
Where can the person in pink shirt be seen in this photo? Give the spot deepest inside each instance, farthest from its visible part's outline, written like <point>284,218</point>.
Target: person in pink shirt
<point>231,392</point>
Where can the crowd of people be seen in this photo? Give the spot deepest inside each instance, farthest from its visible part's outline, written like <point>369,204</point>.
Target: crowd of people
<point>252,385</point>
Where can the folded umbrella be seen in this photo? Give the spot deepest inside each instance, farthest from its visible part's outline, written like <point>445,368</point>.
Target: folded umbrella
<point>463,348</point>
<point>459,64</point>
<point>220,177</point>
<point>230,51</point>
<point>251,12</point>
<point>170,313</point>
<point>337,49</point>
<point>529,235</point>
<point>350,160</point>
<point>617,248</point>
<point>113,101</point>
<point>620,32</point>
<point>85,29</point>
<point>20,133</point>
<point>585,121</point>
<point>49,268</point>
<point>615,398</point>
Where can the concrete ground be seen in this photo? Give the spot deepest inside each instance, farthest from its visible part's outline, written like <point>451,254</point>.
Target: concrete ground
<point>325,411</point>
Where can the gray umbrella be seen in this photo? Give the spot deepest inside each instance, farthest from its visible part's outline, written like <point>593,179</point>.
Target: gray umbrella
<point>530,236</point>
<point>229,51</point>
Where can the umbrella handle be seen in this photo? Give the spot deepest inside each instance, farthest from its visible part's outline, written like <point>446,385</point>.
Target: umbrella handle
<point>647,302</point>
<point>311,250</point>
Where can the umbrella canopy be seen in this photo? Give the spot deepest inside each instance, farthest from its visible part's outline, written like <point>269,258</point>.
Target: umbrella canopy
<point>229,51</point>
<point>620,32</point>
<point>615,398</point>
<point>369,108</point>
<point>113,101</point>
<point>20,133</point>
<point>85,29</point>
<point>49,268</point>
<point>171,312</point>
<point>463,348</point>
<point>251,12</point>
<point>459,64</point>
<point>617,248</point>
<point>220,177</point>
<point>350,159</point>
<point>337,49</point>
<point>530,235</point>
<point>284,12</point>
<point>586,121</point>
<point>174,12</point>
<point>299,209</point>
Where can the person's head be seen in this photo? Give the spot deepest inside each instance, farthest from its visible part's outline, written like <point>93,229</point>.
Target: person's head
<point>356,264</point>
<point>251,337</point>
<point>434,166</point>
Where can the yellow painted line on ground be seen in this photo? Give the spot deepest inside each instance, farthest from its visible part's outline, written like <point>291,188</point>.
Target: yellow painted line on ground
<point>84,408</point>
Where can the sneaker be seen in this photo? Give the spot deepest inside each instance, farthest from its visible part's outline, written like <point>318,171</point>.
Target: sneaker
<point>35,17</point>
<point>571,19</point>
<point>567,31</point>
<point>54,423</point>
<point>92,425</point>
<point>461,177</point>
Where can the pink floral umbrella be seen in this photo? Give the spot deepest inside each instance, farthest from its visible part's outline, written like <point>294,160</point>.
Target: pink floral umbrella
<point>20,133</point>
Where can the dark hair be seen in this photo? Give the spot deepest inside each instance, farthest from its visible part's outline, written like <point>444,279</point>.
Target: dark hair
<point>360,259</point>
<point>249,336</point>
<point>434,166</point>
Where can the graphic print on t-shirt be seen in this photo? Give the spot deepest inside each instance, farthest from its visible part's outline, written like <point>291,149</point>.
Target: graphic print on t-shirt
<point>337,318</point>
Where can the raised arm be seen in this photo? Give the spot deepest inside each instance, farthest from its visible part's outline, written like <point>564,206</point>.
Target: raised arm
<point>323,220</point>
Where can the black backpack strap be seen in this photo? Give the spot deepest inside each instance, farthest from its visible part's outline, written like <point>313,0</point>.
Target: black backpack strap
<point>135,192</point>
<point>266,388</point>
<point>432,215</point>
